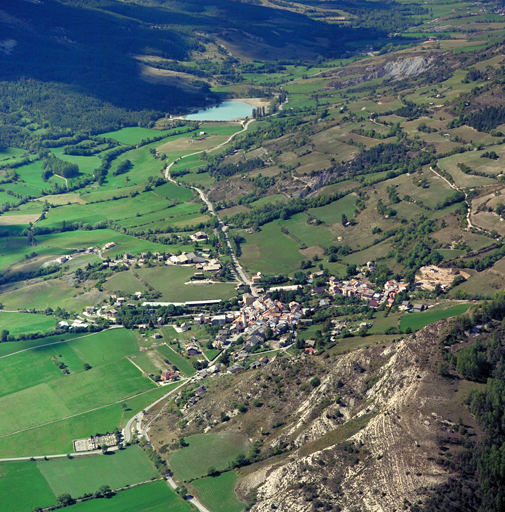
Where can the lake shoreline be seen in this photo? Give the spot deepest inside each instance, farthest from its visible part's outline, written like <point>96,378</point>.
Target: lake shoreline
<point>239,109</point>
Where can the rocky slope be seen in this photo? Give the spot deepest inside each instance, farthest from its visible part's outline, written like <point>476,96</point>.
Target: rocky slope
<point>391,459</point>
<point>365,438</point>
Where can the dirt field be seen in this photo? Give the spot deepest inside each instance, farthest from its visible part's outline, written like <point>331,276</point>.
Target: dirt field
<point>432,275</point>
<point>13,220</point>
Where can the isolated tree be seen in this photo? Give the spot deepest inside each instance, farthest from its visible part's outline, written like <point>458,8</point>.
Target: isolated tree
<point>103,492</point>
<point>86,366</point>
<point>64,499</point>
<point>344,219</point>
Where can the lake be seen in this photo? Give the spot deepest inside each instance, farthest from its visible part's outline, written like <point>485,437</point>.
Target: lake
<point>226,111</point>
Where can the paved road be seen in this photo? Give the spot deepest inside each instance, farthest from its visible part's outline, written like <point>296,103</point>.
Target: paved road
<point>240,273</point>
<point>468,203</point>
<point>59,456</point>
<point>127,431</point>
<point>193,500</point>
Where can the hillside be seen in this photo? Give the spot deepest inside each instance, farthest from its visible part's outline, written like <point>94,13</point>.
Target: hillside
<point>365,436</point>
<point>256,249</point>
<point>382,428</point>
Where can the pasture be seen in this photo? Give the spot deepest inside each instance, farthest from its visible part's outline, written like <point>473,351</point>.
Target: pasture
<point>14,249</point>
<point>206,450</point>
<point>170,281</point>
<point>271,251</point>
<point>152,497</point>
<point>119,209</point>
<point>22,487</point>
<point>87,164</point>
<point>133,135</point>
<point>307,234</point>
<point>69,240</point>
<point>175,359</point>
<point>24,323</point>
<point>50,395</point>
<point>56,437</point>
<point>82,475</point>
<point>50,293</point>
<point>419,320</point>
<point>75,393</point>
<point>218,493</point>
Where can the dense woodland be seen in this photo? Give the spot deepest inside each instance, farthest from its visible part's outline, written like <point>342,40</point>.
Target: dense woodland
<point>481,486</point>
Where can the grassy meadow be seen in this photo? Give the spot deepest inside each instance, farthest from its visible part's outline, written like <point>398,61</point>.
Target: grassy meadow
<point>82,475</point>
<point>50,396</point>
<point>419,320</point>
<point>218,494</point>
<point>57,437</point>
<point>206,450</point>
<point>152,497</point>
<point>23,323</point>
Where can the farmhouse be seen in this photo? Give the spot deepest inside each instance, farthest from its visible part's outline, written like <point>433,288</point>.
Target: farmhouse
<point>62,259</point>
<point>195,258</point>
<point>199,236</point>
<point>235,368</point>
<point>192,350</point>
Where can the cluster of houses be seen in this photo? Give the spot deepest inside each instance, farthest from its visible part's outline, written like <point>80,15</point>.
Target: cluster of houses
<point>63,259</point>
<point>363,289</point>
<point>76,324</point>
<point>260,314</point>
<point>201,262</point>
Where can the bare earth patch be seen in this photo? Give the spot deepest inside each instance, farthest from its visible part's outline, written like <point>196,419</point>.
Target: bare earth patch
<point>15,220</point>
<point>310,252</point>
<point>63,199</point>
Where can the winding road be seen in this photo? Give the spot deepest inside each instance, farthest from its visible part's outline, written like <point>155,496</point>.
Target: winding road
<point>239,270</point>
<point>127,431</point>
<point>468,203</point>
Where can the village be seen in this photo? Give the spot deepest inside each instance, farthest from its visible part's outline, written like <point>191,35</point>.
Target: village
<point>259,324</point>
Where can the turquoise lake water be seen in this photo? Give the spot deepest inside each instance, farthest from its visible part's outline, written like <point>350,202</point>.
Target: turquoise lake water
<point>226,111</point>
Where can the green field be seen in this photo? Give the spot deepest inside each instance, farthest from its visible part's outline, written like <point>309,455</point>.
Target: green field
<point>332,213</point>
<point>51,293</point>
<point>82,475</point>
<point>23,323</point>
<point>152,497</point>
<point>57,437</point>
<point>132,135</point>
<point>419,320</point>
<point>271,251</point>
<point>307,234</point>
<point>172,191</point>
<point>170,281</point>
<point>49,395</point>
<point>12,347</point>
<point>74,239</point>
<point>119,209</point>
<point>183,364</point>
<point>22,487</point>
<point>218,494</point>
<point>206,450</point>
<point>71,395</point>
<point>14,249</point>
